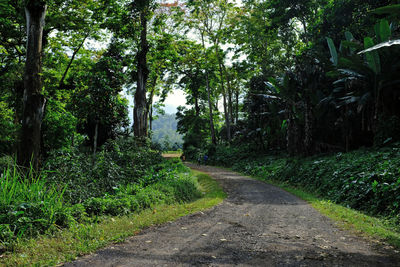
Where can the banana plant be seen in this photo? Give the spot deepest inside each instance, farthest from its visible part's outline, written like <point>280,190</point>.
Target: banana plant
<point>384,28</point>
<point>365,76</point>
<point>285,90</point>
<point>298,91</point>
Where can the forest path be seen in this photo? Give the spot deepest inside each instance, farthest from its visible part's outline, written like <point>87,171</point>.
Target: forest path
<point>257,225</point>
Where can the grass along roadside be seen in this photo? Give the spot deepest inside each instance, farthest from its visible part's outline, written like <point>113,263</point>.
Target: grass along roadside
<point>82,239</point>
<point>372,228</point>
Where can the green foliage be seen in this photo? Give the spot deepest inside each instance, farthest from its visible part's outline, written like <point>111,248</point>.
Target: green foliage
<point>59,127</point>
<point>167,189</point>
<point>120,162</point>
<point>196,130</point>
<point>388,131</point>
<point>29,206</point>
<point>35,204</point>
<point>101,102</point>
<point>87,237</point>
<point>391,9</point>
<point>332,49</point>
<point>8,130</point>
<point>372,57</point>
<point>383,31</point>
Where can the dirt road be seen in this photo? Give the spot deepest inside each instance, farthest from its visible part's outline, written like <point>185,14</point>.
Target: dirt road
<point>257,225</point>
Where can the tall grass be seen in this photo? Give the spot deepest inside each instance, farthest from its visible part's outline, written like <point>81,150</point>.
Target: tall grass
<point>28,206</point>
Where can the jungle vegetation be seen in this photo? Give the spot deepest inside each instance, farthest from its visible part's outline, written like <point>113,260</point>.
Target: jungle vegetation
<point>273,86</point>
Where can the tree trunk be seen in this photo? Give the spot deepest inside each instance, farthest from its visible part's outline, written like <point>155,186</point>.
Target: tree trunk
<point>227,119</point>
<point>96,135</point>
<point>149,103</point>
<point>237,105</point>
<point>378,105</point>
<point>213,138</point>
<point>33,101</point>
<point>230,104</point>
<point>151,118</point>
<point>308,129</point>
<point>226,112</point>
<point>196,102</point>
<point>212,129</point>
<point>139,111</point>
<point>292,133</point>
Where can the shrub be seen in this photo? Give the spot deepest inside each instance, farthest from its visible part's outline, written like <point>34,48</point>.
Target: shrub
<point>133,198</point>
<point>118,163</point>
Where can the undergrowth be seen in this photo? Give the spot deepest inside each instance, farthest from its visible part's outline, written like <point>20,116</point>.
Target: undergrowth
<point>86,237</point>
<point>122,178</point>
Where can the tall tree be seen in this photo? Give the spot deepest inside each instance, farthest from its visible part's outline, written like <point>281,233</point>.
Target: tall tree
<point>140,108</point>
<point>221,10</point>
<point>34,100</point>
<point>203,19</point>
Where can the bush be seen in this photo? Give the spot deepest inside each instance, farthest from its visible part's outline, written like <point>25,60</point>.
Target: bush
<point>58,126</point>
<point>172,187</point>
<point>118,163</point>
<point>8,129</point>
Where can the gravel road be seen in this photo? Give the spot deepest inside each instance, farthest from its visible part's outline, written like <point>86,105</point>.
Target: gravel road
<point>257,225</point>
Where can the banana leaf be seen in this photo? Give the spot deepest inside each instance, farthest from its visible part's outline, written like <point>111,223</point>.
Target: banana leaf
<point>379,46</point>
<point>372,57</point>
<point>332,49</point>
<point>392,10</point>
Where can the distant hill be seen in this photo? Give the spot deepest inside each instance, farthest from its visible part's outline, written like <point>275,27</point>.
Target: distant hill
<point>165,134</point>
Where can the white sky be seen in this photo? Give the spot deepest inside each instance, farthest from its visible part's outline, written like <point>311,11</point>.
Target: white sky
<point>175,99</point>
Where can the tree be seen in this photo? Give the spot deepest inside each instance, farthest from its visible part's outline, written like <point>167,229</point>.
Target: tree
<point>101,109</point>
<point>220,12</point>
<point>162,59</point>
<point>202,18</point>
<point>34,101</point>
<point>139,111</point>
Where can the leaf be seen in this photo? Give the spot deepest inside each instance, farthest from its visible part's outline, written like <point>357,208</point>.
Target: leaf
<point>265,96</point>
<point>338,90</point>
<point>284,124</point>
<point>351,73</point>
<point>363,101</point>
<point>373,56</point>
<point>271,87</point>
<point>332,49</point>
<point>392,10</point>
<point>349,36</point>
<point>340,81</point>
<point>349,99</point>
<point>351,45</point>
<point>274,83</point>
<point>383,31</point>
<point>379,46</point>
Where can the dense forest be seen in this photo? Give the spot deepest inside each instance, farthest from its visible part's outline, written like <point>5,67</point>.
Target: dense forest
<point>272,87</point>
